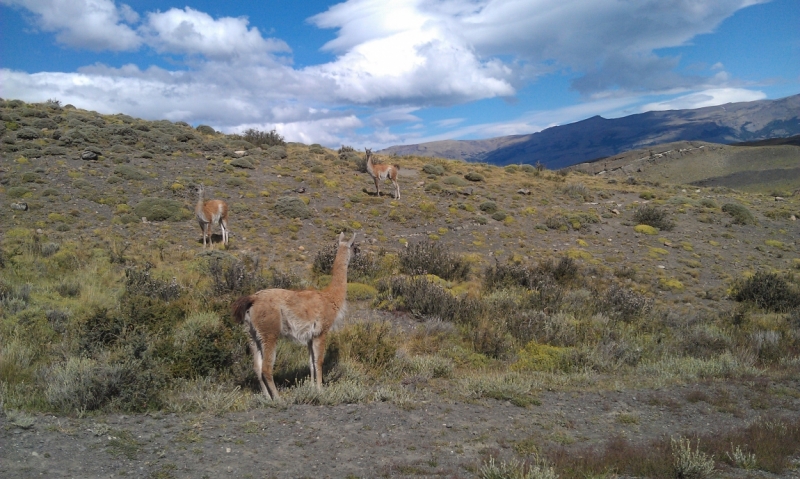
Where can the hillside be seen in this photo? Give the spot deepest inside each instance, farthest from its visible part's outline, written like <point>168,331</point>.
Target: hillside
<point>497,315</point>
<point>598,137</point>
<point>770,166</point>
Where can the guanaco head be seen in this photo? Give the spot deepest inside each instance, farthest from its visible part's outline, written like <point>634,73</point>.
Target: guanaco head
<point>368,153</point>
<point>347,244</point>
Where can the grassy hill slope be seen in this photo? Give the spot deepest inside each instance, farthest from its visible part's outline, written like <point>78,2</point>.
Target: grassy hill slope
<point>759,168</point>
<point>481,283</point>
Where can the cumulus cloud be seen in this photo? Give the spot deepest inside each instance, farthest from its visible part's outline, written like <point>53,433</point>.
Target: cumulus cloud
<point>192,32</point>
<point>91,24</point>
<point>392,58</point>
<point>401,52</point>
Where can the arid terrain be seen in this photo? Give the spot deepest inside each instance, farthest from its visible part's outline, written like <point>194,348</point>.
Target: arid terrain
<point>503,322</point>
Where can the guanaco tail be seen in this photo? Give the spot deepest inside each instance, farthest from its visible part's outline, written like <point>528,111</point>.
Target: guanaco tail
<point>211,212</point>
<point>381,173</point>
<point>305,316</point>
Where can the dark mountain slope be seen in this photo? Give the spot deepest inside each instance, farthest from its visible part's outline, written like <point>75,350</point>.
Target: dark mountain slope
<point>599,137</point>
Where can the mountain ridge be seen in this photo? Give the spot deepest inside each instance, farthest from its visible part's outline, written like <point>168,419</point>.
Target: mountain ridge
<point>597,137</point>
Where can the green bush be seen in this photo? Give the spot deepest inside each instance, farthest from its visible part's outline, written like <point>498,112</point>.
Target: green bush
<point>161,209</point>
<point>488,207</point>
<point>292,207</point>
<point>201,345</point>
<point>28,134</point>
<point>624,304</point>
<point>428,257</point>
<point>373,344</point>
<point>433,169</point>
<point>362,266</point>
<point>18,192</point>
<point>230,275</point>
<point>455,181</point>
<point>473,176</point>
<point>499,215</point>
<point>130,173</point>
<point>139,280</point>
<point>740,214</point>
<point>263,138</point>
<point>767,291</point>
<point>424,299</point>
<point>242,163</point>
<point>652,216</point>
<point>205,129</point>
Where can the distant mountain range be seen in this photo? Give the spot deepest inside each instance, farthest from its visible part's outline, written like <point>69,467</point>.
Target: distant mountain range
<point>598,137</point>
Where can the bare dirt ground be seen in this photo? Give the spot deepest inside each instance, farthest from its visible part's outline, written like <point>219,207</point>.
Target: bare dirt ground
<point>437,438</point>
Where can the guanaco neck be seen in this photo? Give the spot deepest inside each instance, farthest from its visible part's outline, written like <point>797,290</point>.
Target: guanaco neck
<point>370,166</point>
<point>338,284</point>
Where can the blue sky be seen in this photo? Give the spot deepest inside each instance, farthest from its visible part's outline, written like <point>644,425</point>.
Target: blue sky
<point>376,73</point>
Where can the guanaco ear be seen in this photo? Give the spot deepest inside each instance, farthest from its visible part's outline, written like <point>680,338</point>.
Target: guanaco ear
<point>341,237</point>
<point>350,243</point>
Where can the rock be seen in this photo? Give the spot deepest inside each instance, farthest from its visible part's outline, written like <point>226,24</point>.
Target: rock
<point>779,198</point>
<point>240,153</point>
<point>524,191</point>
<point>89,156</point>
<point>615,211</point>
<point>19,206</point>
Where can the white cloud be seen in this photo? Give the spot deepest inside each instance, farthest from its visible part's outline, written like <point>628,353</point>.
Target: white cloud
<point>192,32</point>
<point>393,58</point>
<point>400,52</point>
<point>90,24</point>
<point>597,37</point>
<point>713,97</point>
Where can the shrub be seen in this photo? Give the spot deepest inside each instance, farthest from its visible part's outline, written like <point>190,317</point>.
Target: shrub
<point>433,169</point>
<point>201,345</point>
<point>767,291</point>
<point>28,134</point>
<point>542,357</point>
<point>18,192</point>
<point>231,276</point>
<point>473,176</point>
<point>161,209</point>
<point>130,173</point>
<point>490,338</point>
<point>455,181</point>
<point>261,138</point>
<point>362,265</point>
<point>708,203</point>
<point>578,191</point>
<point>499,215</point>
<point>624,304</point>
<point>428,257</point>
<point>205,129</point>
<point>645,229</point>
<point>129,383</point>
<point>689,464</point>
<point>488,207</point>
<point>424,299</point>
<point>373,344</point>
<point>652,216</point>
<point>242,163</point>
<point>139,281</point>
<point>292,207</point>
<point>68,289</point>
<point>740,214</point>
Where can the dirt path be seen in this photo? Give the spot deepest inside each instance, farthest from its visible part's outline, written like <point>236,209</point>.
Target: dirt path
<point>434,439</point>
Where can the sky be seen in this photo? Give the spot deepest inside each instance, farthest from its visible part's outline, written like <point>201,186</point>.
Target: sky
<point>377,73</point>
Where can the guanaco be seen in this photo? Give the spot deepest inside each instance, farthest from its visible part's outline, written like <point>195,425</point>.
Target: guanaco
<point>305,316</point>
